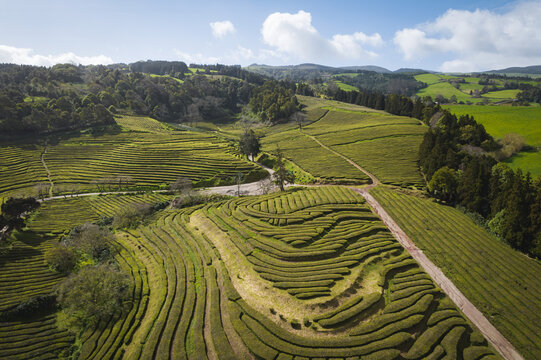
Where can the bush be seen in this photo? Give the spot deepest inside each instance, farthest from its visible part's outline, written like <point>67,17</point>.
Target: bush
<point>91,240</point>
<point>132,216</point>
<point>61,259</point>
<point>94,293</point>
<point>193,199</point>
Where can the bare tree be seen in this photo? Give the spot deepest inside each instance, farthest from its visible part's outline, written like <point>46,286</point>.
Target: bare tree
<point>239,177</point>
<point>182,185</point>
<point>299,118</point>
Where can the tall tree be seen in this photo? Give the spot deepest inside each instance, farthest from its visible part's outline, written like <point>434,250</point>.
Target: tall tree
<point>249,144</point>
<point>281,175</point>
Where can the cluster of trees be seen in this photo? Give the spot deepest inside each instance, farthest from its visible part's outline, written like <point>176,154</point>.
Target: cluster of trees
<point>455,160</point>
<point>66,97</point>
<point>274,101</point>
<point>402,84</point>
<point>530,94</point>
<point>12,215</point>
<point>422,109</point>
<point>32,99</point>
<point>95,289</point>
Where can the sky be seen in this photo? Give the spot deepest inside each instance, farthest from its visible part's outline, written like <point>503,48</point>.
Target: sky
<point>448,36</point>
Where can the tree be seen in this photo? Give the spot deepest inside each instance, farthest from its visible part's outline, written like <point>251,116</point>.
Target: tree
<point>182,185</point>
<point>239,177</point>
<point>132,216</point>
<point>299,118</point>
<point>91,240</point>
<point>12,214</point>
<point>249,144</point>
<point>281,175</point>
<point>60,258</point>
<point>93,294</point>
<point>444,184</point>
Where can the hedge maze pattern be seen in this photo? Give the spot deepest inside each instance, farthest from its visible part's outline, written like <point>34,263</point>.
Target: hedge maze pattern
<point>348,289</point>
<point>501,282</point>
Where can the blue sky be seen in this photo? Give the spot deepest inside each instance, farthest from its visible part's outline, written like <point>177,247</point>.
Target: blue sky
<point>446,36</point>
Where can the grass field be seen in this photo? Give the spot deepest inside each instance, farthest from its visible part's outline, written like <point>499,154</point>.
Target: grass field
<point>501,120</point>
<point>438,85</point>
<point>146,153</point>
<point>384,144</point>
<point>502,283</point>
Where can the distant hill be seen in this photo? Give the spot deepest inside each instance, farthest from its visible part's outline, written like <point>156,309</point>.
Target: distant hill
<point>412,71</point>
<point>374,68</point>
<point>529,70</point>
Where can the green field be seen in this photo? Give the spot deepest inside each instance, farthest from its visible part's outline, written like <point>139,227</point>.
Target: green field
<point>384,144</point>
<point>438,84</point>
<point>503,283</point>
<point>146,154</point>
<point>501,120</point>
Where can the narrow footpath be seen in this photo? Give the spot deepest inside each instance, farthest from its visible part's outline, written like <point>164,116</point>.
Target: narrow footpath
<point>42,157</point>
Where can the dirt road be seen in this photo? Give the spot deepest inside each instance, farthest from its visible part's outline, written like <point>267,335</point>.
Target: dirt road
<point>492,334</point>
<point>496,339</point>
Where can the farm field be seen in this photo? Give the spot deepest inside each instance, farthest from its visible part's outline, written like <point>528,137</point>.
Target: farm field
<point>385,145</point>
<point>25,275</point>
<point>438,84</point>
<point>246,269</point>
<point>501,282</point>
<point>501,120</point>
<point>145,155</point>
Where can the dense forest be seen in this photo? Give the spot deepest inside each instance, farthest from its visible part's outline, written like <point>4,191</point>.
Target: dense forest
<point>66,97</point>
<point>456,159</point>
<point>401,84</point>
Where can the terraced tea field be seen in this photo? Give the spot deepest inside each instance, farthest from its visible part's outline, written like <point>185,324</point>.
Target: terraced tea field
<point>385,145</point>
<point>25,275</point>
<point>146,156</point>
<point>303,274</point>
<point>501,282</point>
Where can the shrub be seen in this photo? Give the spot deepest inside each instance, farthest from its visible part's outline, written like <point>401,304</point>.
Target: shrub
<point>60,258</point>
<point>92,240</point>
<point>94,293</point>
<point>132,216</point>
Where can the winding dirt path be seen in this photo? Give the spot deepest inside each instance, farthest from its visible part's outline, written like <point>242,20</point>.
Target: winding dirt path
<point>500,343</point>
<point>42,158</point>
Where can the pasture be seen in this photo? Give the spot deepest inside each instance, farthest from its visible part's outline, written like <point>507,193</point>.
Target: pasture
<point>501,120</point>
<point>501,282</point>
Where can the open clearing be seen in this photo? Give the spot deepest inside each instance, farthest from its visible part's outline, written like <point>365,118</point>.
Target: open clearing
<point>501,120</point>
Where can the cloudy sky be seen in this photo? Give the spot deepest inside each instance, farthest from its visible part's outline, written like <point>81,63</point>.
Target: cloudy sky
<point>437,35</point>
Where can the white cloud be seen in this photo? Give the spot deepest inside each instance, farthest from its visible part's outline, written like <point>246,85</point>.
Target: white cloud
<point>10,54</point>
<point>197,58</point>
<point>222,28</point>
<point>477,40</point>
<point>293,34</point>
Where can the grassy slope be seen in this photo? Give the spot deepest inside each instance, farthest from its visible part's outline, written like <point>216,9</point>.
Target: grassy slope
<point>501,120</point>
<point>503,283</point>
<point>438,86</point>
